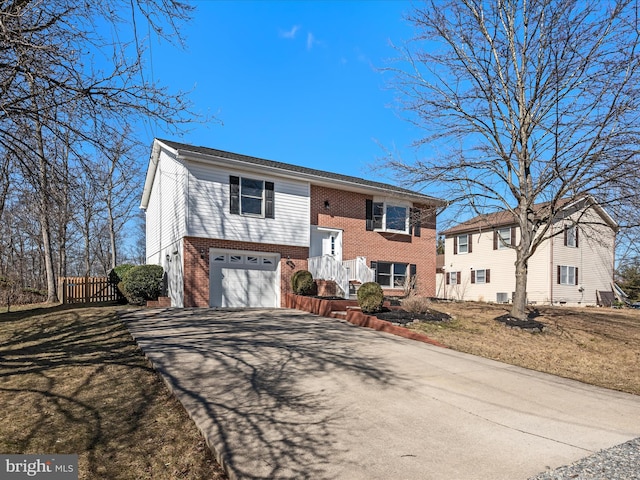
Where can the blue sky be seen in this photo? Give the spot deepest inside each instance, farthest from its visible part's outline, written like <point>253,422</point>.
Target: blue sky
<point>296,82</point>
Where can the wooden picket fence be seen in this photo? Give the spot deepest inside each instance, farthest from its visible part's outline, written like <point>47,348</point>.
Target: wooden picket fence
<point>88,290</point>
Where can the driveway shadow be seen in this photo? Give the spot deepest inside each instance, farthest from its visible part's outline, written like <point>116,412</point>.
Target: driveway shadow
<point>258,383</point>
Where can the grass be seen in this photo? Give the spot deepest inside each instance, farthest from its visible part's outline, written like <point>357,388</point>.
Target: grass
<point>72,380</point>
<point>599,346</point>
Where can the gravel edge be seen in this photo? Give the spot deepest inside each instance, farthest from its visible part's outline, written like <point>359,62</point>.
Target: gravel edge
<point>621,462</point>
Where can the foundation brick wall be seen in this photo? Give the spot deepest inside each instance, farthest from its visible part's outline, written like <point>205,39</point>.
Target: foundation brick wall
<point>196,265</point>
<point>347,211</point>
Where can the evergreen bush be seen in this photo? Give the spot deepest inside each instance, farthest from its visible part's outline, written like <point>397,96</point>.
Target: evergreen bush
<point>370,297</point>
<point>117,274</point>
<point>302,283</point>
<point>142,283</point>
<point>115,277</point>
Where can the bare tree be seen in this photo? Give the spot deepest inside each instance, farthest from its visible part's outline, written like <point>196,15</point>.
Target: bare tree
<point>72,73</point>
<point>524,103</point>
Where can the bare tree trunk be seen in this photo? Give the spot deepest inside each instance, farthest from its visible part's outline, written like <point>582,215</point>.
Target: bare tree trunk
<point>4,182</point>
<point>110,216</point>
<point>63,202</point>
<point>112,239</point>
<point>87,240</point>
<point>519,307</point>
<point>45,227</point>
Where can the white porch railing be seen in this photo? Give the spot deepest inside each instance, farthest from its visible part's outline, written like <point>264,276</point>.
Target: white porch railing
<point>358,270</point>
<point>327,267</point>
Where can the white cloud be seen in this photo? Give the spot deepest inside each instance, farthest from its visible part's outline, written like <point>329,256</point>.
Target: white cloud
<point>310,40</point>
<point>291,33</point>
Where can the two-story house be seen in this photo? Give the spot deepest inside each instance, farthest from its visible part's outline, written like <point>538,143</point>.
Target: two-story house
<point>231,229</point>
<point>570,267</point>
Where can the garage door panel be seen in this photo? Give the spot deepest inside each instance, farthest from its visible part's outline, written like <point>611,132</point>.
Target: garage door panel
<point>243,280</point>
<point>248,288</point>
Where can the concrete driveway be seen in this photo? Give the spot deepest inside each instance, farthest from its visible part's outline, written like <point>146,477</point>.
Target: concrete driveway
<point>285,394</point>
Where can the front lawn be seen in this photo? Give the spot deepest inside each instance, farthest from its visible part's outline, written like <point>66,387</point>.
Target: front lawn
<point>72,380</point>
<point>599,346</point>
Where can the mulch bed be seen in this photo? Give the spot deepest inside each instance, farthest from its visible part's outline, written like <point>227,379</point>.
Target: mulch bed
<point>529,324</point>
<point>402,317</point>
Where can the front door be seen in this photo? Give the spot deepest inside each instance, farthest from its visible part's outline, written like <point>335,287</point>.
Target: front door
<point>326,241</point>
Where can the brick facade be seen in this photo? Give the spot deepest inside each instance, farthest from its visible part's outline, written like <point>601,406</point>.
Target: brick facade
<point>196,265</point>
<point>346,210</point>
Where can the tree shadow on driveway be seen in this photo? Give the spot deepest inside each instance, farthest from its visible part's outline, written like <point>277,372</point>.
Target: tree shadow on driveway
<point>259,383</point>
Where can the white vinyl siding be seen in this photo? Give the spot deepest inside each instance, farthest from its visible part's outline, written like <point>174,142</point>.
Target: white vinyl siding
<point>482,256</point>
<point>165,214</point>
<point>593,258</point>
<point>209,209</point>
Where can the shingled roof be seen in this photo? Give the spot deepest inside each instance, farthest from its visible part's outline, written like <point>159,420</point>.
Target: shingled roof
<point>184,149</point>
<point>505,218</point>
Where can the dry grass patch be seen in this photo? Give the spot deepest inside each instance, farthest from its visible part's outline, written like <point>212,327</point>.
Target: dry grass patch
<point>599,346</point>
<point>72,380</point>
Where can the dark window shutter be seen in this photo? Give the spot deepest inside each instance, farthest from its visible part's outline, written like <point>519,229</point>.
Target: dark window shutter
<point>487,279</point>
<point>469,243</point>
<point>268,198</point>
<point>234,195</point>
<point>369,215</point>
<point>495,239</point>
<point>459,278</point>
<point>577,230</point>
<point>558,274</point>
<point>473,276</point>
<point>513,236</point>
<point>415,223</point>
<point>566,234</point>
<point>455,245</point>
<point>576,275</point>
<point>412,269</point>
<point>447,277</point>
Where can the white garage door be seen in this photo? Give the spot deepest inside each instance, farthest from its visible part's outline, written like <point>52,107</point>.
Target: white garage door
<point>243,279</point>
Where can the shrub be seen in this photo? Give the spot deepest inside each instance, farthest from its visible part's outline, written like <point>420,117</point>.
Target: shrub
<point>370,297</point>
<point>302,282</point>
<point>142,283</point>
<point>115,277</point>
<point>117,274</point>
<point>414,304</point>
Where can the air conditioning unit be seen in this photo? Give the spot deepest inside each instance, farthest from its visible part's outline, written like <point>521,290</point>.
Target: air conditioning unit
<point>502,297</point>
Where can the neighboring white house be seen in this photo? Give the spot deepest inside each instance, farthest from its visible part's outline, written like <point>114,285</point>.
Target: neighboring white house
<point>571,267</point>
